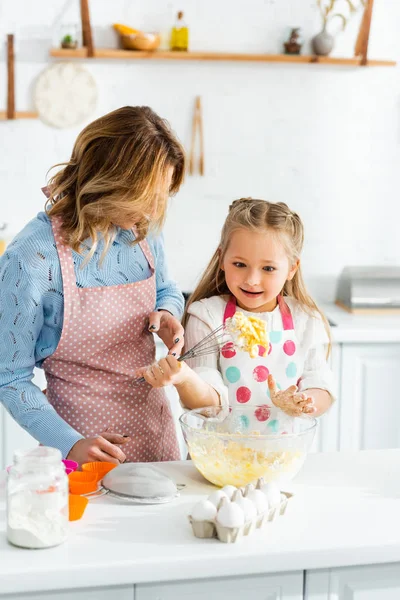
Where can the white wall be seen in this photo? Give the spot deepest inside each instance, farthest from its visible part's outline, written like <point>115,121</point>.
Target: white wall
<point>324,139</point>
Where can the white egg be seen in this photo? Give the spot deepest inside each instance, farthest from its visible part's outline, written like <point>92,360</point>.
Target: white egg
<point>230,515</point>
<point>247,506</point>
<point>273,493</point>
<point>249,488</point>
<point>216,497</point>
<point>229,490</point>
<point>259,499</point>
<point>204,511</point>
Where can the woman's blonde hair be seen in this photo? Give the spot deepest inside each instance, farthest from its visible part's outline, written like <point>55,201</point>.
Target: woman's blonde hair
<point>117,173</point>
<point>259,215</point>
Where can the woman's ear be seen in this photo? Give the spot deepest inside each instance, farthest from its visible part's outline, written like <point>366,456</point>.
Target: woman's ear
<point>293,270</point>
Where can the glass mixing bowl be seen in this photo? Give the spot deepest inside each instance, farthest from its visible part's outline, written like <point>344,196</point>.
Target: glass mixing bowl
<point>226,451</point>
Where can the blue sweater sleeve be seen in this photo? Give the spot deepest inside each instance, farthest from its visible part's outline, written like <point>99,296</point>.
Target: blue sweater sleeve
<point>23,310</point>
<point>169,297</point>
<point>31,316</point>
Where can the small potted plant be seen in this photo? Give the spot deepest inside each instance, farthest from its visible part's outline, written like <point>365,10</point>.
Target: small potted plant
<point>69,37</point>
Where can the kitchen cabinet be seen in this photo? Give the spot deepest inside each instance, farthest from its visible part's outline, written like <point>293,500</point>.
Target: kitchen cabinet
<point>369,405</point>
<point>281,586</point>
<point>327,435</point>
<point>125,592</point>
<point>372,582</point>
<point>365,415</point>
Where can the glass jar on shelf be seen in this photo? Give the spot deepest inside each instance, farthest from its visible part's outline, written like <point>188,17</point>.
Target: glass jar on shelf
<point>69,36</point>
<point>37,499</point>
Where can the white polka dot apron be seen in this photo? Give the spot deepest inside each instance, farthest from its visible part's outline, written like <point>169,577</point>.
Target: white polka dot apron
<point>90,376</point>
<point>246,377</point>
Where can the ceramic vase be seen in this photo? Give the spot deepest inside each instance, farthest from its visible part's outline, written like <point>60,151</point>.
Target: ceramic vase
<point>323,43</point>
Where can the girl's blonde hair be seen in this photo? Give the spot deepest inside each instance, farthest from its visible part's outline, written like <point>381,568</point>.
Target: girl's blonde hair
<point>259,215</point>
<point>117,173</point>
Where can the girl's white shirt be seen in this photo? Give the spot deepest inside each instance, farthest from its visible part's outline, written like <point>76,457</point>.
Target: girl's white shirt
<point>208,314</point>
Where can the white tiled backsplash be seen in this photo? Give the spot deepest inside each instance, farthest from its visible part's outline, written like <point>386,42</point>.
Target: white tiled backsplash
<point>323,139</point>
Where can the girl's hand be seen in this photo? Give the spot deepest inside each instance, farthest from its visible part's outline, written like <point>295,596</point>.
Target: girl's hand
<point>168,371</point>
<point>102,448</point>
<point>168,329</point>
<point>291,402</point>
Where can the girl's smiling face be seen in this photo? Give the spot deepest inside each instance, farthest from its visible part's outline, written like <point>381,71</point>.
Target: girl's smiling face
<point>256,268</point>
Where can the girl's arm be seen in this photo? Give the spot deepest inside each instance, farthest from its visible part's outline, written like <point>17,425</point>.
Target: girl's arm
<point>193,391</point>
<point>317,380</point>
<point>198,381</point>
<point>322,400</point>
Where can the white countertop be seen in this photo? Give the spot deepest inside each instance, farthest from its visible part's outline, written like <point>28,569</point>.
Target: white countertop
<point>352,328</point>
<point>345,512</point>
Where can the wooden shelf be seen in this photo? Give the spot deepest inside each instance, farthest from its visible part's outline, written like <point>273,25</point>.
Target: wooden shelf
<point>110,53</point>
<point>19,114</point>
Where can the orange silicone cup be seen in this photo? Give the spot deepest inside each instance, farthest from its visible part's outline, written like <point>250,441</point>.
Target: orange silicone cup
<point>100,468</point>
<point>77,506</point>
<point>82,476</point>
<point>82,483</point>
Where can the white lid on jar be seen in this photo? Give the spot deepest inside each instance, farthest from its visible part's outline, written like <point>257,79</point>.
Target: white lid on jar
<point>43,455</point>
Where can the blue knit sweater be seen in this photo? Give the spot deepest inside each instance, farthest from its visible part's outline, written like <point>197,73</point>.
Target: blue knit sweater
<point>31,315</point>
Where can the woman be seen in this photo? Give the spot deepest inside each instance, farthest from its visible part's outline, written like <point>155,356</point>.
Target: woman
<point>84,285</point>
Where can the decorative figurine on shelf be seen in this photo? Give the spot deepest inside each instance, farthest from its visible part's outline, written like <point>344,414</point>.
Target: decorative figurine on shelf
<point>324,42</point>
<point>293,45</point>
<point>180,34</point>
<point>69,37</point>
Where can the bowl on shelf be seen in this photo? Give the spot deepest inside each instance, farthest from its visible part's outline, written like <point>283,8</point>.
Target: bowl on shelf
<point>227,449</point>
<point>140,41</point>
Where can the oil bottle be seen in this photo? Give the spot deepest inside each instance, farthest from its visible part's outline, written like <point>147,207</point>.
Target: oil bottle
<point>180,34</point>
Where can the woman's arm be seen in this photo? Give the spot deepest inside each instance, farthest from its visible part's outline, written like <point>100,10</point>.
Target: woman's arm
<point>22,307</point>
<point>169,297</point>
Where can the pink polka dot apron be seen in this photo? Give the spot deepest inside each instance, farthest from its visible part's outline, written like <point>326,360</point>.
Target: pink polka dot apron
<point>104,339</point>
<point>246,377</point>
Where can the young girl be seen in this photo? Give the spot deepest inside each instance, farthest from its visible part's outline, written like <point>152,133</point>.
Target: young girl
<point>84,285</point>
<point>256,269</point>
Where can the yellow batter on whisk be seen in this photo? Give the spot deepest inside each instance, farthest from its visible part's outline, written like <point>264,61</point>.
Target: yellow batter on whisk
<point>248,333</point>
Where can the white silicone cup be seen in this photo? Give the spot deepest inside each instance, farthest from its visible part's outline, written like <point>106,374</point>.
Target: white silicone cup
<point>203,529</point>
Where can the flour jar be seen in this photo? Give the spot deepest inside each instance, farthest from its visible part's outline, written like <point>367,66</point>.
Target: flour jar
<point>37,499</point>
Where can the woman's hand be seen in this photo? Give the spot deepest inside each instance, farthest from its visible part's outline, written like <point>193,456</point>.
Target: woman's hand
<point>102,448</point>
<point>290,401</point>
<point>167,371</point>
<point>169,329</point>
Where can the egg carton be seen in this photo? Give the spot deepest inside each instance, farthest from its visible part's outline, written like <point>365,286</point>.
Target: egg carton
<point>229,535</point>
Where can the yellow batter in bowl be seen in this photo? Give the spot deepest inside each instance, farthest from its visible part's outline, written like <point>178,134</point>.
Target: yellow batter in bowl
<point>229,457</point>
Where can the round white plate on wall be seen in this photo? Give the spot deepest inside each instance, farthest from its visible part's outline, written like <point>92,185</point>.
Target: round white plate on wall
<point>65,95</point>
